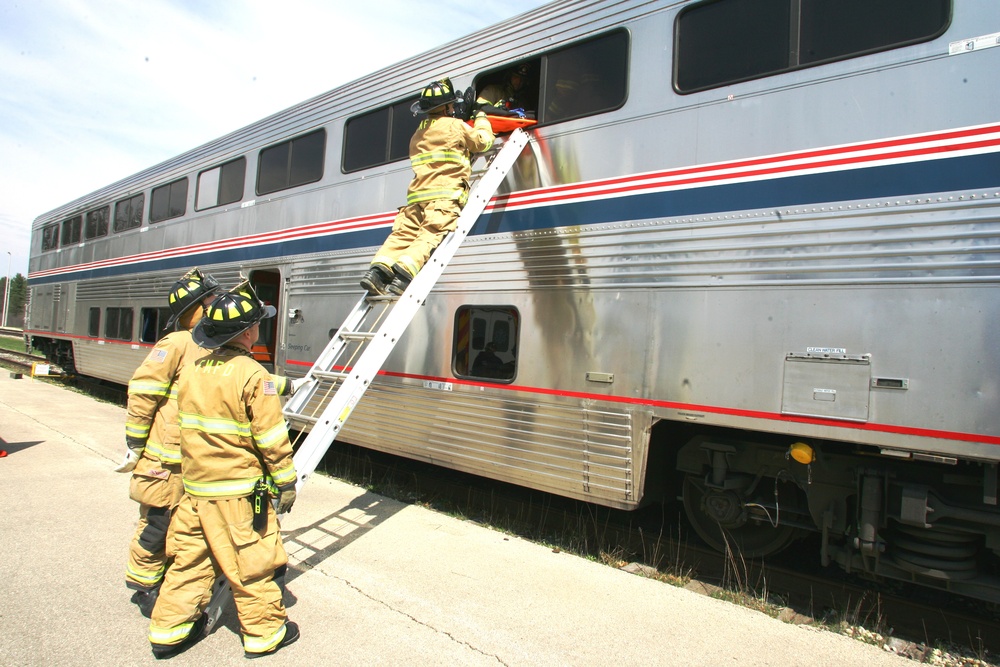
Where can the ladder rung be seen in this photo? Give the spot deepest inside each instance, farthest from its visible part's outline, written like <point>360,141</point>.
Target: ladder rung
<point>330,375</point>
<point>357,335</point>
<point>296,417</point>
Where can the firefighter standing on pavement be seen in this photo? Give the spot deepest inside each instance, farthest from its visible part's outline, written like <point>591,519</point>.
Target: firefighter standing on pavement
<point>153,441</point>
<point>440,156</point>
<point>152,435</point>
<point>235,452</point>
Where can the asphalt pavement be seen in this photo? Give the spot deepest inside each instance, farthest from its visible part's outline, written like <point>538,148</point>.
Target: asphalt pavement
<point>372,581</point>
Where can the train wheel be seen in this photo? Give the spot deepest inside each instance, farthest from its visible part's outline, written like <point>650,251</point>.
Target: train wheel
<point>720,519</point>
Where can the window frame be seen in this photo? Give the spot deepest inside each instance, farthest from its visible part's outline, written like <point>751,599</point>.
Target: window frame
<point>393,138</point>
<point>71,238</point>
<point>117,317</point>
<point>463,359</point>
<point>50,236</point>
<point>290,162</point>
<point>794,32</point>
<point>170,193</point>
<point>133,213</point>
<point>94,322</point>
<point>152,317</point>
<point>103,229</point>
<point>222,184</point>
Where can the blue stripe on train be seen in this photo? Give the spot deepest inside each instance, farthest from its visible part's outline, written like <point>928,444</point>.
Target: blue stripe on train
<point>899,180</point>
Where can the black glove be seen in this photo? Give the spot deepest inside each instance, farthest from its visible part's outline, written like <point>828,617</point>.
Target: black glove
<point>286,498</point>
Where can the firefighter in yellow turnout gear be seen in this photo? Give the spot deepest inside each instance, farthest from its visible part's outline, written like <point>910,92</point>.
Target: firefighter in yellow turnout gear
<point>152,435</point>
<point>440,156</point>
<point>152,438</point>
<point>233,441</point>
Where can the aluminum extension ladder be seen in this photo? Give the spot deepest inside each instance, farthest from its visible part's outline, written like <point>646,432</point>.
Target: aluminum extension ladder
<point>371,346</point>
<point>354,356</point>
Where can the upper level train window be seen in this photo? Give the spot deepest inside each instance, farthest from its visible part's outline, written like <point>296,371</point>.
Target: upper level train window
<point>221,185</point>
<point>725,41</point>
<point>128,212</point>
<point>485,344</point>
<point>97,223</point>
<point>50,237</point>
<point>71,230</point>
<point>118,323</point>
<point>379,137</point>
<point>168,201</point>
<point>582,79</point>
<point>291,163</point>
<point>586,78</point>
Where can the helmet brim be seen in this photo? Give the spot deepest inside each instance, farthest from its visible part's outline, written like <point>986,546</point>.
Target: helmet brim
<point>215,340</point>
<point>417,110</point>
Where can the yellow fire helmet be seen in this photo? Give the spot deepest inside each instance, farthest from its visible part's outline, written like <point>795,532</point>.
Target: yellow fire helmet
<point>188,292</point>
<point>230,315</point>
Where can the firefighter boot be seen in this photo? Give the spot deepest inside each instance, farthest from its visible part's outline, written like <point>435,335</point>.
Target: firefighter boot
<point>161,651</point>
<point>146,600</point>
<point>401,281</point>
<point>376,279</point>
<point>291,634</point>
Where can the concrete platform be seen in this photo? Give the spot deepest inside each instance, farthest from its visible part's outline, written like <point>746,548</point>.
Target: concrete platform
<point>373,581</point>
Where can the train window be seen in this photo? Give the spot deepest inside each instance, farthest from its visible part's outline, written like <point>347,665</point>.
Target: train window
<point>50,237</point>
<point>379,137</point>
<point>725,41</point>
<point>97,223</point>
<point>291,163</point>
<point>71,230</point>
<point>94,323</point>
<point>128,212</point>
<point>485,345</point>
<point>168,201</point>
<point>151,322</point>
<point>586,78</point>
<point>118,323</point>
<point>221,185</point>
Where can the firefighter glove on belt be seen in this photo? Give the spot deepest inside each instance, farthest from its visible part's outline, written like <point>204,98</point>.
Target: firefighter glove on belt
<point>286,499</point>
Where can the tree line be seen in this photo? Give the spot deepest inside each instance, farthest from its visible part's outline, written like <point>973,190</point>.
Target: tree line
<point>18,297</point>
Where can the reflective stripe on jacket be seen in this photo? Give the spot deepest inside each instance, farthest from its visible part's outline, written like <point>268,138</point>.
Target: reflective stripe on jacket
<point>440,153</point>
<point>232,429</point>
<point>152,396</point>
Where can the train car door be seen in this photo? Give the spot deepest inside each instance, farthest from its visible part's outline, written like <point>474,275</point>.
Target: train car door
<point>267,284</point>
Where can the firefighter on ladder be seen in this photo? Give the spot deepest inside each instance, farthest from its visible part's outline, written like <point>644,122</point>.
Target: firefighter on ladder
<point>235,455</point>
<point>440,156</point>
<point>152,437</point>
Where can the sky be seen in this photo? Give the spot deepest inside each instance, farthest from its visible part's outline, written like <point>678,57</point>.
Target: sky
<point>92,91</point>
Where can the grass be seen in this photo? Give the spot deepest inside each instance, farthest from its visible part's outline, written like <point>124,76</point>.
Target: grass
<point>12,343</point>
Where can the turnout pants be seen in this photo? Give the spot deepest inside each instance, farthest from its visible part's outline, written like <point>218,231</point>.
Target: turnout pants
<point>209,533</point>
<point>416,231</point>
<point>158,489</point>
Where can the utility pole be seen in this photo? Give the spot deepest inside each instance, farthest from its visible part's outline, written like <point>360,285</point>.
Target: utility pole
<point>6,291</point>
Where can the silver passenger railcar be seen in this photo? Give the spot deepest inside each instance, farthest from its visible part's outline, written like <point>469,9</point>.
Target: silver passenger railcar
<point>750,258</point>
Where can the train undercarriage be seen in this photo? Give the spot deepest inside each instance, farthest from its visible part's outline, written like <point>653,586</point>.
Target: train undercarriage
<point>57,352</point>
<point>932,523</point>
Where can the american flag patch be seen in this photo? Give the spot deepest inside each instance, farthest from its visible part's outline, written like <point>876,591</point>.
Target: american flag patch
<point>269,389</point>
<point>158,356</point>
